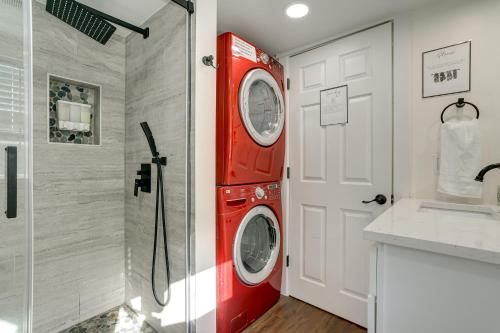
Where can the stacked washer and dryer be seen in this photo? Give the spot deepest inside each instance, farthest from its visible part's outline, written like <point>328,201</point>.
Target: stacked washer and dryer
<point>250,157</point>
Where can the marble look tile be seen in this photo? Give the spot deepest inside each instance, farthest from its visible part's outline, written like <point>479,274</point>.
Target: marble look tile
<point>83,233</point>
<point>78,190</point>
<point>155,92</point>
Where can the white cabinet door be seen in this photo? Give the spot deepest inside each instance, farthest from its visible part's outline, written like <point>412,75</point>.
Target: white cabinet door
<point>334,168</point>
<point>420,291</point>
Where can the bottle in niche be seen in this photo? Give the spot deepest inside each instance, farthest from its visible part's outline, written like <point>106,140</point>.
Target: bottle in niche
<point>498,195</point>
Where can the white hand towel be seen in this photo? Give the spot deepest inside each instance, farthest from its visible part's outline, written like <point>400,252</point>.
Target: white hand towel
<point>72,126</point>
<point>460,158</point>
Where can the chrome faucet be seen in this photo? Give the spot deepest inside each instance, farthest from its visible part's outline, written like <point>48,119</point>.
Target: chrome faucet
<point>480,175</point>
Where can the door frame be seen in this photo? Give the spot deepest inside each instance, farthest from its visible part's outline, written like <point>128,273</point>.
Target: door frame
<point>401,117</point>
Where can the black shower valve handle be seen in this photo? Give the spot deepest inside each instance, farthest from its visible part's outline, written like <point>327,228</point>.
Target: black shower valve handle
<point>136,186</point>
<point>144,183</point>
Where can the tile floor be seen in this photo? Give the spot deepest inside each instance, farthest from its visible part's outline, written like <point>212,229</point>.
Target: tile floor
<point>118,320</point>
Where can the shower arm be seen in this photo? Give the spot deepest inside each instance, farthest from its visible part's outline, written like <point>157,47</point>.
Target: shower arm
<point>143,32</point>
<point>188,5</point>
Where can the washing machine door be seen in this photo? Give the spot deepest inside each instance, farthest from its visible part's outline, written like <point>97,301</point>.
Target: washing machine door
<point>261,107</point>
<point>256,245</point>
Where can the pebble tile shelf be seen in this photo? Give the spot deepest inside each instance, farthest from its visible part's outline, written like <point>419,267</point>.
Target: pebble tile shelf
<point>60,90</point>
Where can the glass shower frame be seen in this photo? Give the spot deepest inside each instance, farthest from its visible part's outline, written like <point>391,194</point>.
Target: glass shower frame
<point>17,132</point>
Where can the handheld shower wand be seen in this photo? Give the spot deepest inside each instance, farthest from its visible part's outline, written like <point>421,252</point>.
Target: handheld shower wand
<point>159,161</point>
<point>150,138</point>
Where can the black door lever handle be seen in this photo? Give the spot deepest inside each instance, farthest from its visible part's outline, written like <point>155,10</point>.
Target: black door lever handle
<point>379,198</point>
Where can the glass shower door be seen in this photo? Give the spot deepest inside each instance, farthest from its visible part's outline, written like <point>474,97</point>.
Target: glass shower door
<point>14,175</point>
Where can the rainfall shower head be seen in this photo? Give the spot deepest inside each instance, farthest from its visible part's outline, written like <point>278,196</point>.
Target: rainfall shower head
<point>82,19</point>
<point>88,20</point>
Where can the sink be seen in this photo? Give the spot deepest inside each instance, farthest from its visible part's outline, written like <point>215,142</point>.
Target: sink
<point>469,211</point>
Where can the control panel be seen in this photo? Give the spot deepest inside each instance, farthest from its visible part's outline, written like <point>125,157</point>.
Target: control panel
<point>255,193</point>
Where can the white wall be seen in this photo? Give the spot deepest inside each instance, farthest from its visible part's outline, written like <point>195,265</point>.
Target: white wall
<point>437,26</point>
<point>203,310</point>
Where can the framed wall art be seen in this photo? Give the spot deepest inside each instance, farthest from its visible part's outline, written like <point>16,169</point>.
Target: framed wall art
<point>446,70</point>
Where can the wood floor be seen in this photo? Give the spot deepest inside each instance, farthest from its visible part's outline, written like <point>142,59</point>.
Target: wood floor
<point>293,316</point>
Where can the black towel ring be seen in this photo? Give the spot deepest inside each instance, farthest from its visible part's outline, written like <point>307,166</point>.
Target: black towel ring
<point>460,104</point>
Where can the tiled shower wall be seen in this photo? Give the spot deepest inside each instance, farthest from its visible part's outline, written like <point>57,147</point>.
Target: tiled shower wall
<point>155,92</point>
<point>78,189</point>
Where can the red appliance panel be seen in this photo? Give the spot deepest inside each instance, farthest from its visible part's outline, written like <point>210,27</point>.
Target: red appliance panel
<point>238,304</point>
<point>241,160</point>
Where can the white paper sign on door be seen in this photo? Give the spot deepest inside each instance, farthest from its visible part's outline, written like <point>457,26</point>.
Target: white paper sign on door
<point>334,106</point>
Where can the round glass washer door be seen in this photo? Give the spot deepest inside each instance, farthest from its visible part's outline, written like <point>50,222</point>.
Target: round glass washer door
<point>261,107</point>
<point>256,245</point>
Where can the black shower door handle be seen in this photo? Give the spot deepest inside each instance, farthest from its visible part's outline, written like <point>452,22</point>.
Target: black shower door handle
<point>11,181</point>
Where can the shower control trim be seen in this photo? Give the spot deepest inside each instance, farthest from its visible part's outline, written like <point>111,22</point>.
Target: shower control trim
<point>144,183</point>
<point>161,160</point>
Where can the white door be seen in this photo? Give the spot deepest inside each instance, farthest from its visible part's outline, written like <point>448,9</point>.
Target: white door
<point>334,168</point>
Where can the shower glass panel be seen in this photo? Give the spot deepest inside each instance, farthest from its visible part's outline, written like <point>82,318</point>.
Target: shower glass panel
<point>14,175</point>
<point>94,204</point>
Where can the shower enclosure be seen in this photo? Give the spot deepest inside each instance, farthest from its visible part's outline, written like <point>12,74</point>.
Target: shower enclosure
<point>76,245</point>
<point>15,217</point>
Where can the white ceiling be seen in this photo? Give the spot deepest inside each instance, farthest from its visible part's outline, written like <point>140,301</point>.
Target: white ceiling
<point>264,23</point>
<point>133,11</point>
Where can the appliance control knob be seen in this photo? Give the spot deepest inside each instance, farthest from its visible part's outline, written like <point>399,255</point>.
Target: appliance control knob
<point>264,58</point>
<point>259,193</point>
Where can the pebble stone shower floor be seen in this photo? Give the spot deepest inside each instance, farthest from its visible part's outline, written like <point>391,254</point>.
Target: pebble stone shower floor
<point>118,320</point>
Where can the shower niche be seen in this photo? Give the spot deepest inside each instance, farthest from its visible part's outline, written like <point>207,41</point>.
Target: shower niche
<point>73,111</point>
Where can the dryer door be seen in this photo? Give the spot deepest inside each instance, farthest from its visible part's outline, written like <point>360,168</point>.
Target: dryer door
<point>261,107</point>
<point>256,245</point>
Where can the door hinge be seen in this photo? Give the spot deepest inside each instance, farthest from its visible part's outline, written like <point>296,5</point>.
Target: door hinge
<point>392,199</point>
<point>287,172</point>
<point>288,84</point>
<point>287,261</point>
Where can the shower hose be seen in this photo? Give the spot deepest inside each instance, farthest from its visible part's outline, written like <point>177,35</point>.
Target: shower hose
<point>159,195</point>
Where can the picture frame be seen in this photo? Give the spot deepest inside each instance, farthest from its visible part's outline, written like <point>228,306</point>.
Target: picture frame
<point>334,105</point>
<point>447,70</point>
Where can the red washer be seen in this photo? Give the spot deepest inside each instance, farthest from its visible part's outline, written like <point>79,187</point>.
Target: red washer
<point>249,255</point>
<point>250,114</point>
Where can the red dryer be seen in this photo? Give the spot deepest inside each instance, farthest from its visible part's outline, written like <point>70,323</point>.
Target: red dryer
<point>250,114</point>
<point>249,256</point>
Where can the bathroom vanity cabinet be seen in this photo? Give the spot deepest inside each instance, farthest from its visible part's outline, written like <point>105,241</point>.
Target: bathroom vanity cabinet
<point>435,268</point>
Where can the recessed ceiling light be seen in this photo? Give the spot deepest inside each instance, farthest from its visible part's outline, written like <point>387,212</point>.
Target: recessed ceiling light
<point>297,10</point>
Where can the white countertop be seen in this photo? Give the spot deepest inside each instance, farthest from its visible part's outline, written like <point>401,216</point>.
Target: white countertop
<point>469,236</point>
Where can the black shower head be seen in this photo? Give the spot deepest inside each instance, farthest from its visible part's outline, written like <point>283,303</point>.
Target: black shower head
<point>81,18</point>
<point>150,138</point>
